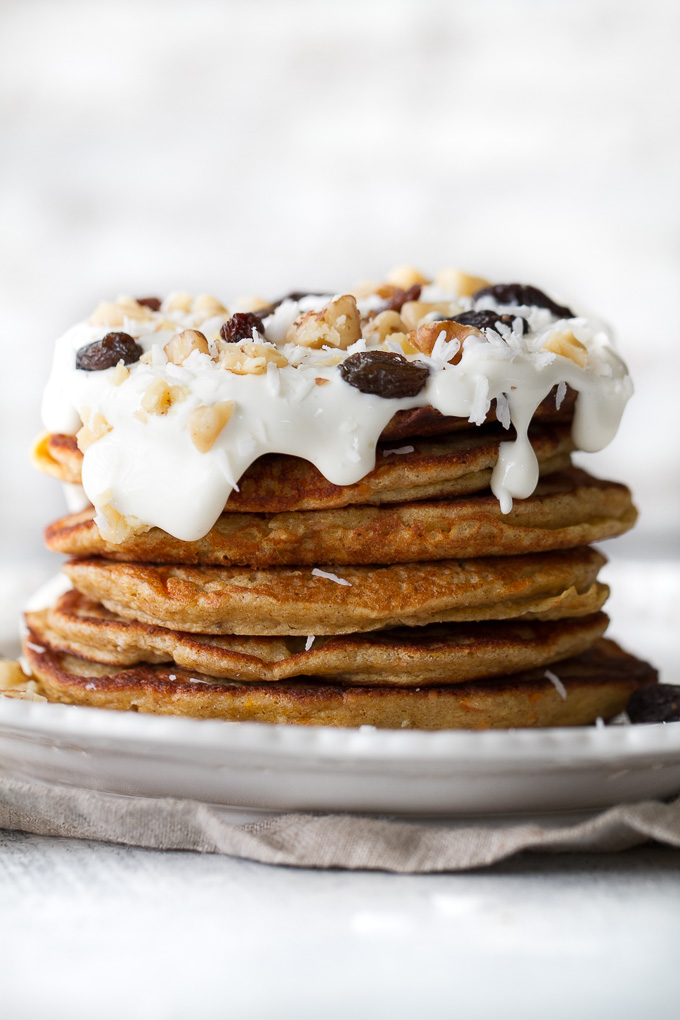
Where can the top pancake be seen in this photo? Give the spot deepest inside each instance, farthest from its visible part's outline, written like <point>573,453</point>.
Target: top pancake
<point>455,464</point>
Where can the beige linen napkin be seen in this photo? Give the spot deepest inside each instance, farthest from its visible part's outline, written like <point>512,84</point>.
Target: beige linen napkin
<point>323,840</point>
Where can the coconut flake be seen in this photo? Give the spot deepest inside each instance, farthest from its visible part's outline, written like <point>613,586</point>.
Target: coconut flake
<point>557,684</point>
<point>480,402</point>
<point>399,450</point>
<point>224,465</point>
<point>503,410</point>
<point>560,395</point>
<point>309,642</point>
<point>331,577</point>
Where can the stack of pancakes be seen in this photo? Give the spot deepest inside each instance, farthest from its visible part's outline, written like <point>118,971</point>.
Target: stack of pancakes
<point>406,600</point>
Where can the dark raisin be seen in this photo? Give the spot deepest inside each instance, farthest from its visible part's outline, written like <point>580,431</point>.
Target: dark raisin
<point>154,303</point>
<point>385,374</point>
<point>240,327</point>
<point>656,703</point>
<point>488,320</point>
<point>523,294</point>
<point>399,299</point>
<point>108,351</point>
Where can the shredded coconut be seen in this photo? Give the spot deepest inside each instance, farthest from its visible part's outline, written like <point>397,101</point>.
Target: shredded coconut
<point>560,395</point>
<point>309,642</point>
<point>172,676</point>
<point>400,449</point>
<point>503,410</point>
<point>36,648</point>
<point>557,684</point>
<point>224,465</point>
<point>331,577</point>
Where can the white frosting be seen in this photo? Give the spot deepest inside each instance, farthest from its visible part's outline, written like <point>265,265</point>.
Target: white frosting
<point>151,470</point>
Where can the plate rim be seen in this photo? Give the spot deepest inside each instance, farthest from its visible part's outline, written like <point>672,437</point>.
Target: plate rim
<point>578,745</point>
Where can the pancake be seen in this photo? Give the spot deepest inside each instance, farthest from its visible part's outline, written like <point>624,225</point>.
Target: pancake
<point>567,509</point>
<point>447,466</point>
<point>440,653</point>
<point>597,683</point>
<point>426,421</point>
<point>289,601</point>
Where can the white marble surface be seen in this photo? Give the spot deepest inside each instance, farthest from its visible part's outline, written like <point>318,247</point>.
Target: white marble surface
<point>238,147</point>
<point>102,931</point>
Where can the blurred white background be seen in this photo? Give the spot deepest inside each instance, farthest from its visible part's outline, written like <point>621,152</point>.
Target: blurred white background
<point>239,147</point>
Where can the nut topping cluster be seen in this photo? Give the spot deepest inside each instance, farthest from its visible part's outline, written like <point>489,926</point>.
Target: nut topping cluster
<point>373,337</point>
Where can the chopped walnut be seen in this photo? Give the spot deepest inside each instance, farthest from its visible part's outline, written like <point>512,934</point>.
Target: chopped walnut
<point>568,346</point>
<point>413,312</point>
<point>206,306</point>
<point>178,301</point>
<point>403,340</point>
<point>14,683</point>
<point>115,527</point>
<point>120,373</point>
<point>250,303</point>
<point>248,358</point>
<point>321,380</point>
<point>114,313</point>
<point>365,288</point>
<point>459,282</point>
<point>160,396</point>
<point>382,325</point>
<point>426,336</point>
<point>94,427</point>
<point>336,325</point>
<point>405,277</point>
<point>206,423</point>
<point>183,344</point>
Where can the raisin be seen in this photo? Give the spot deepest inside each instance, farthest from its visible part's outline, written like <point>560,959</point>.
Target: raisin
<point>240,327</point>
<point>108,351</point>
<point>154,303</point>
<point>523,294</point>
<point>385,374</point>
<point>399,299</point>
<point>489,320</point>
<point>656,703</point>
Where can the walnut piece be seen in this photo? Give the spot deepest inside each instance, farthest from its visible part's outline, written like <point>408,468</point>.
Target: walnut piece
<point>183,344</point>
<point>115,527</point>
<point>426,336</point>
<point>206,423</point>
<point>568,346</point>
<point>159,396</point>
<point>206,306</point>
<point>14,683</point>
<point>459,283</point>
<point>250,303</point>
<point>405,277</point>
<point>248,358</point>
<point>336,325</point>
<point>383,325</point>
<point>177,301</point>
<point>120,373</point>
<point>413,312</point>
<point>94,427</point>
<point>114,313</point>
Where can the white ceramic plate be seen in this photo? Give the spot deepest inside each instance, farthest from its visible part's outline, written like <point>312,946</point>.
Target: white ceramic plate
<point>253,767</point>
